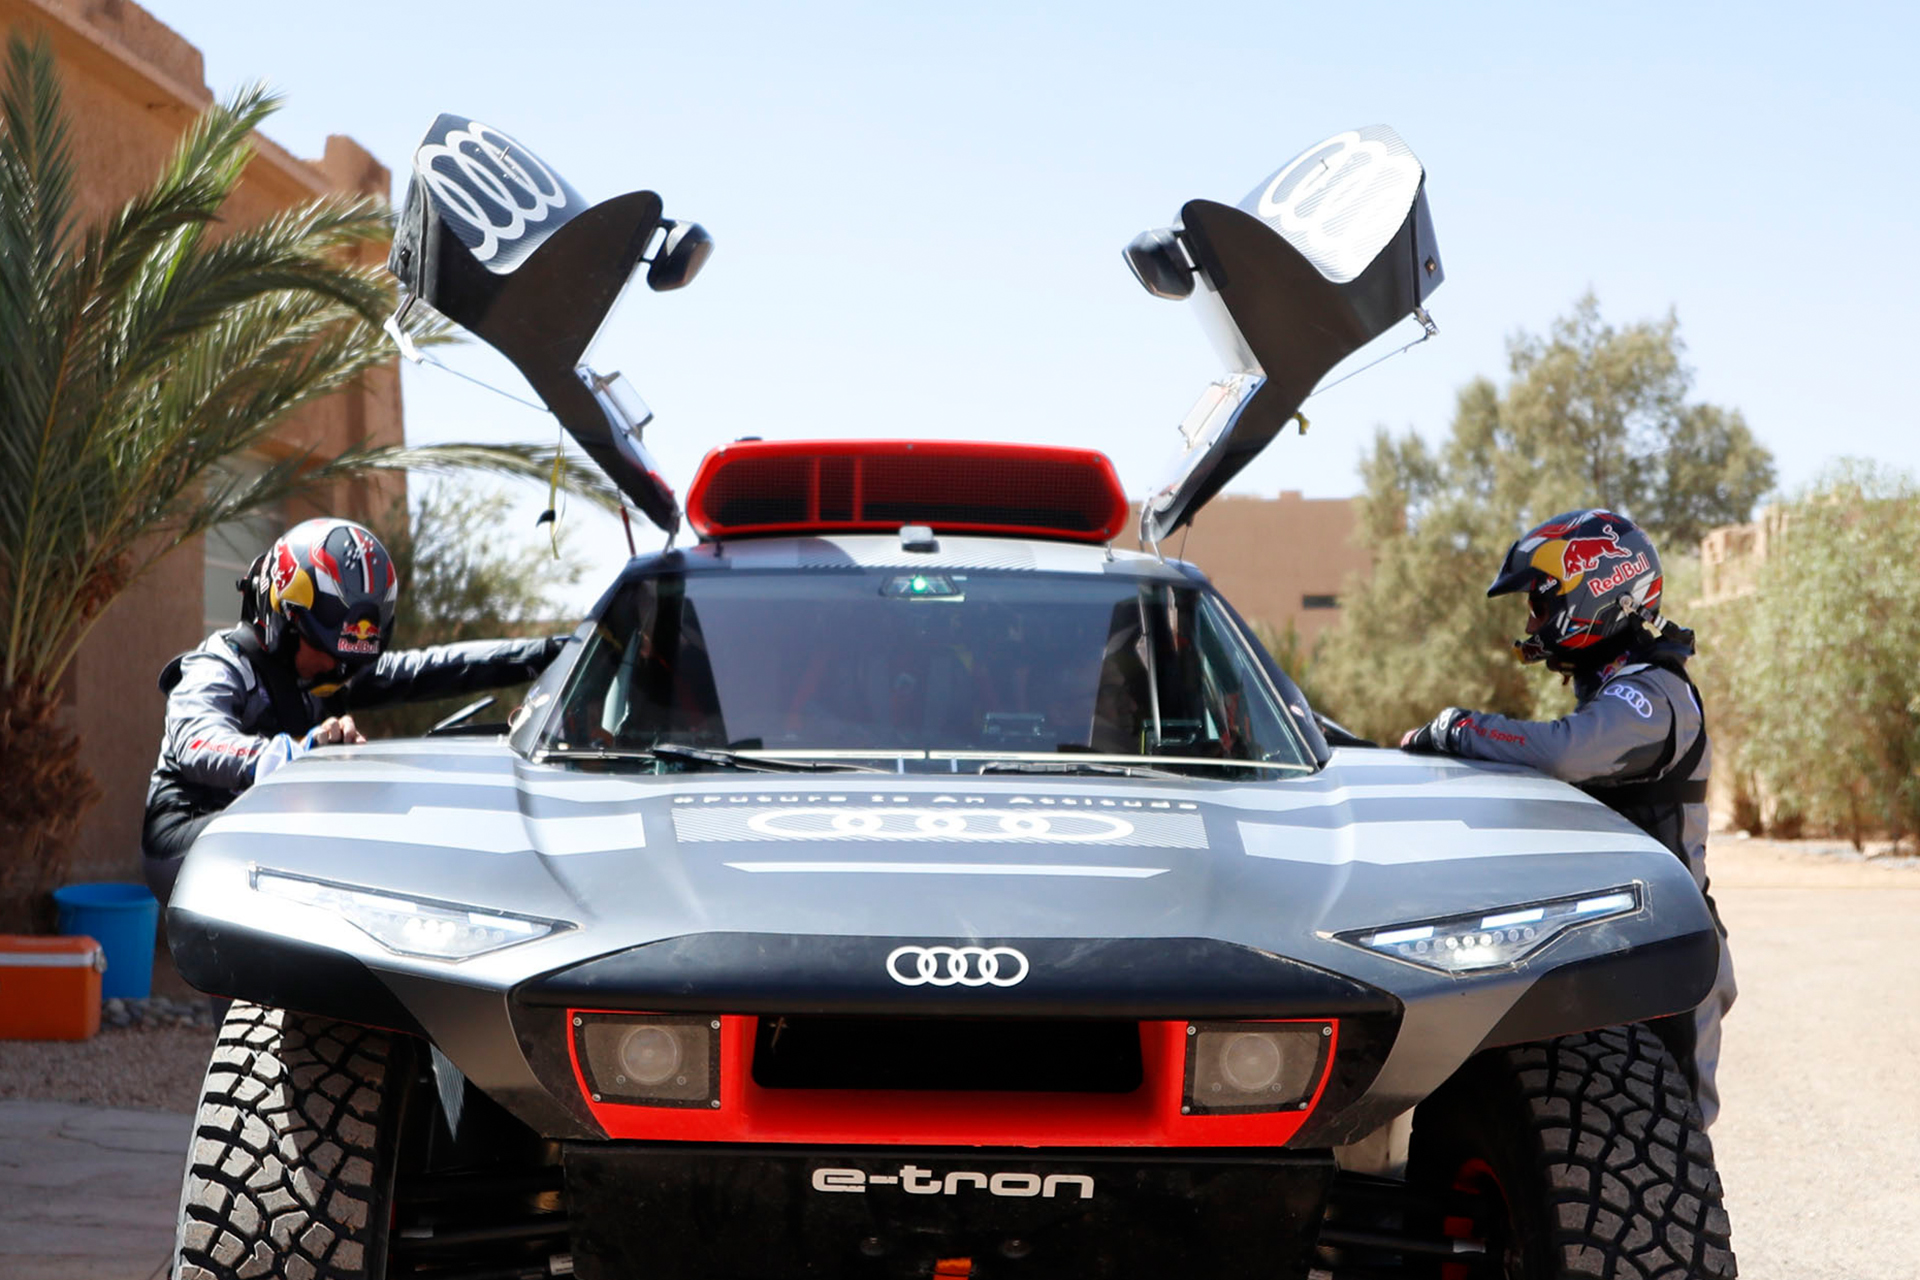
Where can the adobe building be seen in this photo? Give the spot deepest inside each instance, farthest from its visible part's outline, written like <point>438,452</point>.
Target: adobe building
<point>1279,560</point>
<point>1731,556</point>
<point>132,86</point>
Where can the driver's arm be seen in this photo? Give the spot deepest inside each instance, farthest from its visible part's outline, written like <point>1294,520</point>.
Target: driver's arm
<point>204,740</point>
<point>446,670</point>
<point>1605,737</point>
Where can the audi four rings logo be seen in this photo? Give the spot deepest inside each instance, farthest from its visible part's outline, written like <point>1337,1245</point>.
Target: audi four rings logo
<point>939,824</point>
<point>490,183</point>
<point>915,966</point>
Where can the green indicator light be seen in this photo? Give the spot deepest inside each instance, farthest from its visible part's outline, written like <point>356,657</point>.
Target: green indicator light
<point>919,584</point>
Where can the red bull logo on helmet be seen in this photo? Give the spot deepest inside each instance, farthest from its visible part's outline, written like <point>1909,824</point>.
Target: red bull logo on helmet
<point>1567,560</point>
<point>1583,555</point>
<point>361,636</point>
<point>287,582</point>
<point>1621,573</point>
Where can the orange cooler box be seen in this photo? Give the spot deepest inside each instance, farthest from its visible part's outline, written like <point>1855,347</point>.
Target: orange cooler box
<point>49,987</point>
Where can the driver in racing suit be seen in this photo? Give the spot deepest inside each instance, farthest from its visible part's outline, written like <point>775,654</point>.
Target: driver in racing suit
<point>1637,739</point>
<point>312,646</point>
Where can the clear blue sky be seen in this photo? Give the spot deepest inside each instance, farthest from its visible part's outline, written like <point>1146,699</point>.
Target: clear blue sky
<point>919,208</point>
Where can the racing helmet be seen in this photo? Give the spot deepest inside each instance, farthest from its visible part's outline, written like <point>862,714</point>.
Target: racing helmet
<point>331,583</point>
<point>1591,578</point>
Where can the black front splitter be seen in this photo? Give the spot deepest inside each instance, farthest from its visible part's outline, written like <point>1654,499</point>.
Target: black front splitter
<point>696,1212</point>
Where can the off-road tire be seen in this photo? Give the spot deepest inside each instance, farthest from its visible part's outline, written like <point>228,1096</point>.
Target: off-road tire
<point>290,1175</point>
<point>1594,1144</point>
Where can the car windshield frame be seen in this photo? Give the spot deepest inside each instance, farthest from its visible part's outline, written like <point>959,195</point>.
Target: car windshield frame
<point>1217,653</point>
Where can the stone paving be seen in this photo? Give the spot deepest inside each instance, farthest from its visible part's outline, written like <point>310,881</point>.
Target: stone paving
<point>88,1193</point>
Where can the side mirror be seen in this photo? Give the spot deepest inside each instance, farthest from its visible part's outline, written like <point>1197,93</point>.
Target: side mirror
<point>1160,264</point>
<point>682,254</point>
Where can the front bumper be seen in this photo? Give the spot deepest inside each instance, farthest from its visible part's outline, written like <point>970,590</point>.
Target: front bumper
<point>698,1212</point>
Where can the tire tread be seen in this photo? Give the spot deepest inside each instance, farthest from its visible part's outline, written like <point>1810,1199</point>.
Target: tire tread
<point>1629,1171</point>
<point>255,1204</point>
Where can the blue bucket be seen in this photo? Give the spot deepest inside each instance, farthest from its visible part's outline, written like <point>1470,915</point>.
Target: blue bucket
<point>123,919</point>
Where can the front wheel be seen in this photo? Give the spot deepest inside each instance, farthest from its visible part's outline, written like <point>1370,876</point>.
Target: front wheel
<point>291,1172</point>
<point>1574,1159</point>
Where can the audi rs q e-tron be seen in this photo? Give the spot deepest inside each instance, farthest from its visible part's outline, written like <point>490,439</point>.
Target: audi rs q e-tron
<point>900,879</point>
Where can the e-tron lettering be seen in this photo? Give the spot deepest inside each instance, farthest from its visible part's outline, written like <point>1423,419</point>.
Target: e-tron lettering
<point>918,1181</point>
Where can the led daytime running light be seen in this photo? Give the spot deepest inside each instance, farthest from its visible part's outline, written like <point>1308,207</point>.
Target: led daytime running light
<point>409,926</point>
<point>1497,939</point>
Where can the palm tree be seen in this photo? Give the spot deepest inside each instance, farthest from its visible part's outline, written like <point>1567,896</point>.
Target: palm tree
<point>137,354</point>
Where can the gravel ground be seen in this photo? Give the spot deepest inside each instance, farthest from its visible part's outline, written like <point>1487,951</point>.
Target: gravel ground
<point>157,1067</point>
<point>1820,1119</point>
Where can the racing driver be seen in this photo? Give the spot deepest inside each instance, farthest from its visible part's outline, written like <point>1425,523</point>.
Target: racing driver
<point>1637,738</point>
<point>312,646</point>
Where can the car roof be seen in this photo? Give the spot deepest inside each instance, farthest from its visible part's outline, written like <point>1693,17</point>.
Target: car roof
<point>885,551</point>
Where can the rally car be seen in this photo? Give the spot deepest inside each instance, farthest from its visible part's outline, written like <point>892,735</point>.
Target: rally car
<point>902,879</point>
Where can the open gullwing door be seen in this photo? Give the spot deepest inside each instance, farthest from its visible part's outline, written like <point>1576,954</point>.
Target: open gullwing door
<point>494,240</point>
<point>1323,257</point>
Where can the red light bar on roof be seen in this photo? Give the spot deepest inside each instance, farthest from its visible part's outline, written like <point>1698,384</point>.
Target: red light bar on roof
<point>874,486</point>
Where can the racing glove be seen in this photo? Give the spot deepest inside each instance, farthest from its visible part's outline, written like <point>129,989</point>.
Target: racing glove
<point>1435,738</point>
<point>282,749</point>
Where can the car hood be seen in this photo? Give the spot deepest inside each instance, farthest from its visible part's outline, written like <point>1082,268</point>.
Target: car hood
<point>1375,838</point>
<point>745,893</point>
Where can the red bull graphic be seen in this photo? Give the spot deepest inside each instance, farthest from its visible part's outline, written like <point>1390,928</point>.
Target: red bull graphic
<point>363,553</point>
<point>1621,573</point>
<point>1583,555</point>
<point>1557,529</point>
<point>325,568</point>
<point>284,565</point>
<point>287,583</point>
<point>361,636</point>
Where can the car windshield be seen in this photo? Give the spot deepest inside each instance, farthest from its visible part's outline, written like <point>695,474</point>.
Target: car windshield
<point>948,670</point>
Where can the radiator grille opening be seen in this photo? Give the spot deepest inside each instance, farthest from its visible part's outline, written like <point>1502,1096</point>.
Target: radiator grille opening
<point>948,1055</point>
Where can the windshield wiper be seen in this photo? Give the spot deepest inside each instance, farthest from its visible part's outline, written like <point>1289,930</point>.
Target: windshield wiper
<point>1079,766</point>
<point>723,759</point>
<point>712,756</point>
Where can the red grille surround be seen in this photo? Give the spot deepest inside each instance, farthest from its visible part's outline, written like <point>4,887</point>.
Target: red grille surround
<point>1150,1116</point>
<point>759,487</point>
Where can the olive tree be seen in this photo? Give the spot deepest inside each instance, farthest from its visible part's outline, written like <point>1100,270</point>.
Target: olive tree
<point>1825,685</point>
<point>1592,415</point>
<point>467,573</point>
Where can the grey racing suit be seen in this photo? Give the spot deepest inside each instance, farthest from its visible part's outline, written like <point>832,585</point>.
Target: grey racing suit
<point>1638,725</point>
<point>222,715</point>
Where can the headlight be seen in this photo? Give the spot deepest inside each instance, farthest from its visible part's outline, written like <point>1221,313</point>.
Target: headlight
<point>1460,944</point>
<point>1253,1066</point>
<point>649,1059</point>
<point>409,926</point>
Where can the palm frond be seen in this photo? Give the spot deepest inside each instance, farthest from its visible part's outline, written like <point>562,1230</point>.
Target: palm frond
<point>36,167</point>
<point>532,462</point>
<point>232,496</point>
<point>140,355</point>
<point>203,171</point>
